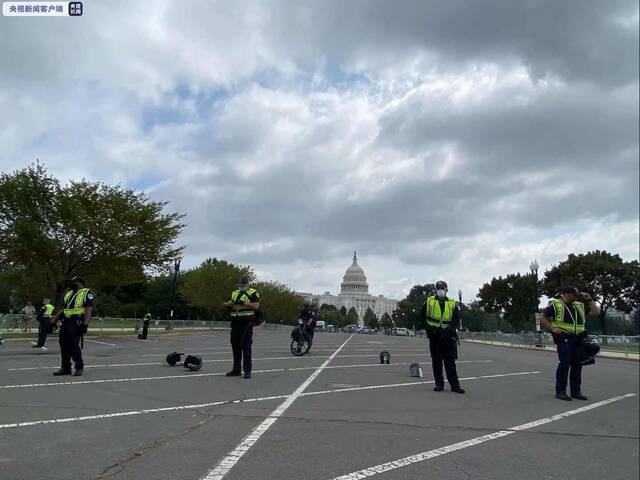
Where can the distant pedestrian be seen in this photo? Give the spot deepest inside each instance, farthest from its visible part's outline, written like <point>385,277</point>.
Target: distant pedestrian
<point>44,322</point>
<point>566,317</point>
<point>29,312</point>
<point>145,327</point>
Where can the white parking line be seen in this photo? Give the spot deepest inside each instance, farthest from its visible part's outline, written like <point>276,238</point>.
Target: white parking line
<point>228,351</point>
<point>228,402</point>
<point>190,375</point>
<point>101,343</point>
<point>196,375</point>
<point>228,462</point>
<point>312,357</point>
<point>420,457</point>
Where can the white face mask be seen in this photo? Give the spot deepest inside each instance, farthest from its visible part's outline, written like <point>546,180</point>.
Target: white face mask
<point>441,293</point>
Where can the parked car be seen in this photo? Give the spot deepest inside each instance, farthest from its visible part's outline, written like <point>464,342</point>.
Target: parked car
<point>402,332</point>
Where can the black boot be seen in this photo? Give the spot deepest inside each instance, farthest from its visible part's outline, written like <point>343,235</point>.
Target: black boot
<point>233,373</point>
<point>247,374</point>
<point>62,372</point>
<point>563,396</point>
<point>458,389</point>
<point>438,388</point>
<point>78,372</point>
<point>579,396</point>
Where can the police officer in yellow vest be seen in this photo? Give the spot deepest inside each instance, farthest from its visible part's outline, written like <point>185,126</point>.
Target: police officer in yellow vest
<point>442,315</point>
<point>44,322</point>
<point>243,303</point>
<point>566,318</point>
<point>78,304</point>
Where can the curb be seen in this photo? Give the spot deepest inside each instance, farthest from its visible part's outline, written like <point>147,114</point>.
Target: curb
<point>633,357</point>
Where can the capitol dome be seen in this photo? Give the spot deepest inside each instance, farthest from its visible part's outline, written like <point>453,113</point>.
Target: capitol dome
<point>354,279</point>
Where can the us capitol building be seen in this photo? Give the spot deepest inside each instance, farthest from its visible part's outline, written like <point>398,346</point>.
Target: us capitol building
<point>354,292</point>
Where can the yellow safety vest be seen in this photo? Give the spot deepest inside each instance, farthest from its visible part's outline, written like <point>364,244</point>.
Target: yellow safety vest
<point>74,302</point>
<point>48,310</point>
<point>572,323</point>
<point>245,297</point>
<point>435,316</point>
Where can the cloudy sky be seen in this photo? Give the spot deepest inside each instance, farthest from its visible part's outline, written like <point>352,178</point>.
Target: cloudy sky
<point>456,140</point>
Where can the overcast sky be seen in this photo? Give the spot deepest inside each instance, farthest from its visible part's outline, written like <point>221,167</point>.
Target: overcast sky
<point>455,140</point>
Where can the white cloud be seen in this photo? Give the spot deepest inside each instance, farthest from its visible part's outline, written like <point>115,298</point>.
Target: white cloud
<point>292,134</point>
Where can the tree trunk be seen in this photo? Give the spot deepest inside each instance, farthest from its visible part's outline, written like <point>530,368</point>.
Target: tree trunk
<point>603,321</point>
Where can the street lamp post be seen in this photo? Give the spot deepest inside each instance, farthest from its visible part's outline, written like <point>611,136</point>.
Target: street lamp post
<point>533,266</point>
<point>460,300</point>
<point>176,269</point>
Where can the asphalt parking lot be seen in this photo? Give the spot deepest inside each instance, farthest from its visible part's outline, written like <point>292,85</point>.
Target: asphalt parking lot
<point>334,414</point>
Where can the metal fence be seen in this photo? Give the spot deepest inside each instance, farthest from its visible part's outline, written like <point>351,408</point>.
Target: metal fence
<point>26,324</point>
<point>625,346</point>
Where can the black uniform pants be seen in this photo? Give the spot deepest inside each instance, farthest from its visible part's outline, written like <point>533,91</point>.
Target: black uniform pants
<point>310,331</point>
<point>145,330</point>
<point>569,364</point>
<point>43,329</point>
<point>70,345</point>
<point>443,350</point>
<point>241,341</point>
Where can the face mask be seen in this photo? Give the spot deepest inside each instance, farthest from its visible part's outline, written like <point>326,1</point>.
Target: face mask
<point>441,293</point>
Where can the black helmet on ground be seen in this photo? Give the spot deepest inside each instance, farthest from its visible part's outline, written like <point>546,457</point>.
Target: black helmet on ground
<point>173,358</point>
<point>192,363</point>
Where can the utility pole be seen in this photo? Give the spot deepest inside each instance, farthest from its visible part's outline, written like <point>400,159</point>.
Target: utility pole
<point>176,269</point>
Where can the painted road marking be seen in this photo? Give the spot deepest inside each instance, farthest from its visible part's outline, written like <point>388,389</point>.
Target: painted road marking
<point>420,457</point>
<point>228,462</point>
<point>229,402</point>
<point>101,343</point>
<point>55,367</point>
<point>196,375</point>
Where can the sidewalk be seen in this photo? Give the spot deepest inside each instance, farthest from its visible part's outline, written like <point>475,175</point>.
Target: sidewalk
<point>603,353</point>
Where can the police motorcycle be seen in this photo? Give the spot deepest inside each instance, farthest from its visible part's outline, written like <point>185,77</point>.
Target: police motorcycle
<point>300,340</point>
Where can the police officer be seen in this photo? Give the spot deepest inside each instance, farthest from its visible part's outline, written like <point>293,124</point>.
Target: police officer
<point>44,322</point>
<point>566,318</point>
<point>442,316</point>
<point>76,314</point>
<point>145,327</point>
<point>243,303</point>
<point>308,317</point>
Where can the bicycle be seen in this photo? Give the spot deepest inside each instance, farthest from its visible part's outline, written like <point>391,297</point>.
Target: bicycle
<point>300,340</point>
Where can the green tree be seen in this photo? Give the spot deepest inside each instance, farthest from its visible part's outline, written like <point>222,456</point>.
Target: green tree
<point>209,285</point>
<point>514,297</point>
<point>50,231</point>
<point>330,315</point>
<point>157,297</point>
<point>343,312</point>
<point>407,313</point>
<point>477,320</point>
<point>352,316</point>
<point>278,302</point>
<point>606,277</point>
<point>370,319</point>
<point>385,321</point>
